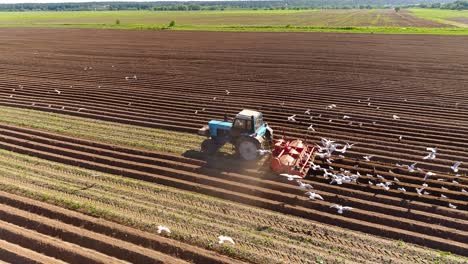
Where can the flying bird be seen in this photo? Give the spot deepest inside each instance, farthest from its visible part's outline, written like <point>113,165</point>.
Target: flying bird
<point>304,185</point>
<point>290,177</point>
<point>432,153</point>
<point>223,239</point>
<point>314,196</point>
<point>341,208</point>
<point>163,229</point>
<point>292,118</point>
<point>455,166</point>
<point>262,152</point>
<point>428,174</point>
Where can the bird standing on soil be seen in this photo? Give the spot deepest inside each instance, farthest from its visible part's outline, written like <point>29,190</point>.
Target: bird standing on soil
<point>401,189</point>
<point>57,91</point>
<point>455,166</point>
<point>163,229</point>
<point>368,158</point>
<point>223,239</point>
<point>307,112</point>
<point>227,92</point>
<point>331,106</point>
<point>341,208</point>
<point>314,196</point>
<point>395,117</point>
<point>311,128</point>
<point>452,206</point>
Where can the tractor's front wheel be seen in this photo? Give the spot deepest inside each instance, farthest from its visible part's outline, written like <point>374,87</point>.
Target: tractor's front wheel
<point>209,146</point>
<point>247,148</point>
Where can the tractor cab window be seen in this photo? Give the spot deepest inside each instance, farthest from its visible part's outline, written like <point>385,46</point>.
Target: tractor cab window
<point>258,122</point>
<point>242,124</point>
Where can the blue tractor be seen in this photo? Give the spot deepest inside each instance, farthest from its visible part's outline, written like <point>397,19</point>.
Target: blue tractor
<point>247,133</point>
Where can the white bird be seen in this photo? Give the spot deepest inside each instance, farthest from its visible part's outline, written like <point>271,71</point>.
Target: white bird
<point>57,91</point>
<point>428,174</point>
<point>463,190</point>
<point>290,177</point>
<point>443,196</point>
<point>331,106</point>
<point>402,189</point>
<point>395,117</point>
<point>380,177</point>
<point>315,167</point>
<point>311,128</point>
<point>432,153</point>
<point>79,109</point>
<point>443,188</point>
<point>262,152</point>
<point>370,183</point>
<point>341,208</point>
<point>304,185</point>
<point>163,228</point>
<point>11,96</point>
<point>420,191</point>
<point>383,186</point>
<point>369,104</point>
<point>400,138</point>
<point>63,108</point>
<point>425,185</point>
<point>307,112</point>
<point>368,158</point>
<point>455,182</point>
<point>134,77</point>
<point>127,78</point>
<point>396,179</point>
<point>455,166</point>
<point>214,98</point>
<point>410,168</point>
<point>346,117</point>
<point>292,118</point>
<point>452,206</point>
<point>223,239</point>
<point>228,92</point>
<point>314,196</point>
<point>196,111</point>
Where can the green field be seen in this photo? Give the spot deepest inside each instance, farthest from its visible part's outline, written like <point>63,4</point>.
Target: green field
<point>443,16</point>
<point>414,21</point>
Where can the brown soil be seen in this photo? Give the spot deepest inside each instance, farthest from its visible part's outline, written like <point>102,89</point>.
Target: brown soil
<point>180,72</point>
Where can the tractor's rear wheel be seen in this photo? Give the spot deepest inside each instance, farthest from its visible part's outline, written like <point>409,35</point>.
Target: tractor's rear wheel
<point>209,146</point>
<point>247,148</point>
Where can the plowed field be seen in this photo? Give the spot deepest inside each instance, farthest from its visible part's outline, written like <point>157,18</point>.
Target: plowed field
<point>177,81</point>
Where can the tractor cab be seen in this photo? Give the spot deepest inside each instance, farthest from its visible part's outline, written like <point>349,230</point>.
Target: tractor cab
<point>246,123</point>
<point>247,133</point>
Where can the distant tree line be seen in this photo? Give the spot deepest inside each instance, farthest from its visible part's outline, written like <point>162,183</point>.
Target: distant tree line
<point>457,5</point>
<point>222,5</point>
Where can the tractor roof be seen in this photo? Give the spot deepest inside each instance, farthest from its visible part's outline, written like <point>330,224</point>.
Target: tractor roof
<point>248,113</point>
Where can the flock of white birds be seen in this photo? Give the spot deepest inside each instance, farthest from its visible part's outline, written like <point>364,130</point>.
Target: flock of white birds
<point>329,147</point>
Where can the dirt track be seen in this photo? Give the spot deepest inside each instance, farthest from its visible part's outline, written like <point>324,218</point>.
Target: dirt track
<point>422,79</point>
